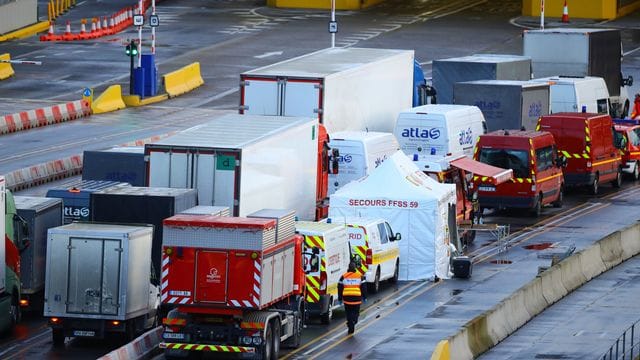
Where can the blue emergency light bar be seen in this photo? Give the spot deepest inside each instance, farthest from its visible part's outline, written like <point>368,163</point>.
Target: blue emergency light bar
<point>626,122</point>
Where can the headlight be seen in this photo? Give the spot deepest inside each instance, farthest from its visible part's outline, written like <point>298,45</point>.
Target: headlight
<point>257,340</point>
<point>247,340</point>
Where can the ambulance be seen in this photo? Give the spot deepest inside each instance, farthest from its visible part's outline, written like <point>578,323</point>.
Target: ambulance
<point>375,249</point>
<point>328,243</point>
<point>586,140</point>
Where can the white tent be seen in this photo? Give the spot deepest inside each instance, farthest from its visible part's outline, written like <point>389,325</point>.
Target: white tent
<point>415,205</point>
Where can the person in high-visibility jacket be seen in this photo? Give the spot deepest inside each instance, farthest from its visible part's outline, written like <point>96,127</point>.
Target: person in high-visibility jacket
<point>351,292</point>
<point>635,114</point>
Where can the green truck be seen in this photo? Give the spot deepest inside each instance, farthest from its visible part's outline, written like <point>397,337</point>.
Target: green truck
<point>15,240</point>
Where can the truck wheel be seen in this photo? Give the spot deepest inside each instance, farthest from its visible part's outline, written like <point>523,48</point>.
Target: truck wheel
<point>636,171</point>
<point>617,183</point>
<point>560,199</point>
<point>275,349</point>
<point>537,208</point>
<point>375,287</point>
<point>14,311</point>
<point>326,317</point>
<point>57,335</point>
<point>594,186</point>
<point>396,274</point>
<point>267,344</point>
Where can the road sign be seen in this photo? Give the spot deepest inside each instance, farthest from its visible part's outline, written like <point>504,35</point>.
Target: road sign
<point>333,27</point>
<point>86,92</point>
<point>154,21</point>
<point>138,20</point>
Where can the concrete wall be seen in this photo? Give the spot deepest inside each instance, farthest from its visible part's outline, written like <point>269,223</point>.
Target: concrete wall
<point>16,14</point>
<point>323,4</point>
<point>587,9</point>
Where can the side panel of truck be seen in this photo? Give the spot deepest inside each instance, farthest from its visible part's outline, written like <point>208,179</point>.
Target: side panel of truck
<point>3,264</point>
<point>281,96</point>
<point>259,96</point>
<point>535,103</point>
<point>210,173</point>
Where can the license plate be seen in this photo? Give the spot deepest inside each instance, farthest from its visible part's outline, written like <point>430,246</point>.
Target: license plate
<point>486,188</point>
<point>177,336</point>
<point>84,333</point>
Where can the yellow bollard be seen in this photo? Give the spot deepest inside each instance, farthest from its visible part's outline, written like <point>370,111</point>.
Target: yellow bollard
<point>49,14</point>
<point>58,12</point>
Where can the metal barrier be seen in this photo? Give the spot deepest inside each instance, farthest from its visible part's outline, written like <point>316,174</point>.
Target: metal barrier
<point>627,346</point>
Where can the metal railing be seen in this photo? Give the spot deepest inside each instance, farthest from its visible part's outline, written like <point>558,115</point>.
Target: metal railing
<point>627,346</point>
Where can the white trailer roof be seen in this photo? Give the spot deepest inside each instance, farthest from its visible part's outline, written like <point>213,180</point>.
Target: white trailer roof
<point>233,131</point>
<point>99,229</point>
<point>363,136</point>
<point>520,83</point>
<point>326,62</point>
<point>486,58</point>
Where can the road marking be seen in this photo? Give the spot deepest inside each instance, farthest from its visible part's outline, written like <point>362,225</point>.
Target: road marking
<point>25,342</point>
<point>630,51</point>
<point>268,54</point>
<point>216,97</point>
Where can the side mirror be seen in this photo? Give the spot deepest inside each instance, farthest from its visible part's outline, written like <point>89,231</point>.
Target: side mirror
<point>628,81</point>
<point>561,161</point>
<point>397,237</point>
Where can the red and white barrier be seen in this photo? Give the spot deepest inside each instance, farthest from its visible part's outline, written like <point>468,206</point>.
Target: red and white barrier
<point>138,348</point>
<point>44,116</point>
<point>42,173</point>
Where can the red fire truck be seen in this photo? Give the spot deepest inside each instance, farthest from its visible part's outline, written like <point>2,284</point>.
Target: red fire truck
<point>627,137</point>
<point>237,285</point>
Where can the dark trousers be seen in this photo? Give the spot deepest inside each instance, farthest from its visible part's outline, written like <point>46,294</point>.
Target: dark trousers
<point>352,311</point>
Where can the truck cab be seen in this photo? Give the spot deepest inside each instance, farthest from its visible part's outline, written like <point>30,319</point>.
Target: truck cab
<point>587,141</point>
<point>627,137</point>
<point>537,170</point>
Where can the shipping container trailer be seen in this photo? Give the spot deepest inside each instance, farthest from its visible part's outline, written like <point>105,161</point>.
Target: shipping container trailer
<point>344,88</point>
<point>41,214</point>
<point>207,210</point>
<point>505,104</point>
<point>76,197</point>
<point>447,72</point>
<point>121,163</point>
<point>99,281</point>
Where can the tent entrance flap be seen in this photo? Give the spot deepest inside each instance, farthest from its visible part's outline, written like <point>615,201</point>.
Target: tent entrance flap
<point>495,174</point>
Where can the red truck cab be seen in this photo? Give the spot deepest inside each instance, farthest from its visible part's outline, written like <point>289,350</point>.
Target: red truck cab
<point>586,140</point>
<point>627,136</point>
<point>537,170</point>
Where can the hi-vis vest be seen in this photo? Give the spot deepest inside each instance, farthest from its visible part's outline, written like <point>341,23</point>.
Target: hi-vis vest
<point>351,287</point>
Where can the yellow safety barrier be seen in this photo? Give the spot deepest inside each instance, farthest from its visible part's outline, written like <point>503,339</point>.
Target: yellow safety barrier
<point>6,70</point>
<point>442,351</point>
<point>592,9</point>
<point>324,4</point>
<point>134,100</point>
<point>26,31</point>
<point>183,80</point>
<point>109,100</point>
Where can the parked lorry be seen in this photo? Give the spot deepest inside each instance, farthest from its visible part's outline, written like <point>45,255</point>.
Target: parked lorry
<point>627,136</point>
<point>344,88</point>
<point>262,311</point>
<point>359,153</point>
<point>577,94</point>
<point>587,141</point>
<point>99,281</point>
<point>447,72</point>
<point>15,241</point>
<point>40,214</point>
<point>247,161</point>
<point>121,163</point>
<point>505,104</point>
<point>537,170</point>
<point>76,197</point>
<point>331,243</point>
<point>581,52</point>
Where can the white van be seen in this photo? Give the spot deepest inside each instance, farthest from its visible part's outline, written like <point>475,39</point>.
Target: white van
<point>439,130</point>
<point>360,152</point>
<point>374,247</point>
<point>577,94</point>
<point>331,244</point>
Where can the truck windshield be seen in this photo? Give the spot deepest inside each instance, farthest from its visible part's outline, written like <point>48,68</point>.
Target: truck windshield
<point>517,160</point>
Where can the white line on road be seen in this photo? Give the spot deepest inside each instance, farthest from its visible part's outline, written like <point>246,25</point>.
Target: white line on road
<point>216,97</point>
<point>268,54</point>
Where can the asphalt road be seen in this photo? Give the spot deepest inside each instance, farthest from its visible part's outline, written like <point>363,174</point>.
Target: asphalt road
<point>228,37</point>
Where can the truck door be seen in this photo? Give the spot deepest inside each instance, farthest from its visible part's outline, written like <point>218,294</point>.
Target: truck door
<point>94,276</point>
<point>260,96</point>
<point>211,276</point>
<point>302,98</point>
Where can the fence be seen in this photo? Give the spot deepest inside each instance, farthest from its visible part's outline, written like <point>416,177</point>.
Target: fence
<point>627,346</point>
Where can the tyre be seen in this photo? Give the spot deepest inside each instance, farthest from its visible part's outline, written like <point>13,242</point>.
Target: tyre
<point>594,186</point>
<point>636,171</point>
<point>267,344</point>
<point>396,274</point>
<point>560,199</point>
<point>537,208</point>
<point>375,287</point>
<point>275,347</point>
<point>14,311</point>
<point>617,183</point>
<point>57,335</point>
<point>326,317</point>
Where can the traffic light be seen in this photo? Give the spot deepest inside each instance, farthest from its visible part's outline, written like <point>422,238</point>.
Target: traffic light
<point>131,49</point>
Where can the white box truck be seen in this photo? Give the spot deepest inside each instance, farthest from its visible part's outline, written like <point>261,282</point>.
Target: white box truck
<point>99,281</point>
<point>245,162</point>
<point>360,153</point>
<point>577,94</point>
<point>344,88</point>
<point>581,52</point>
<point>330,243</point>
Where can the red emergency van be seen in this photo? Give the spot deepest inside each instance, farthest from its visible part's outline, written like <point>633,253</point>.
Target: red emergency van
<point>537,170</point>
<point>586,140</point>
<point>627,137</point>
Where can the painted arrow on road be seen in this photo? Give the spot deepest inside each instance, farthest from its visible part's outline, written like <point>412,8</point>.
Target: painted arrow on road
<point>273,53</point>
